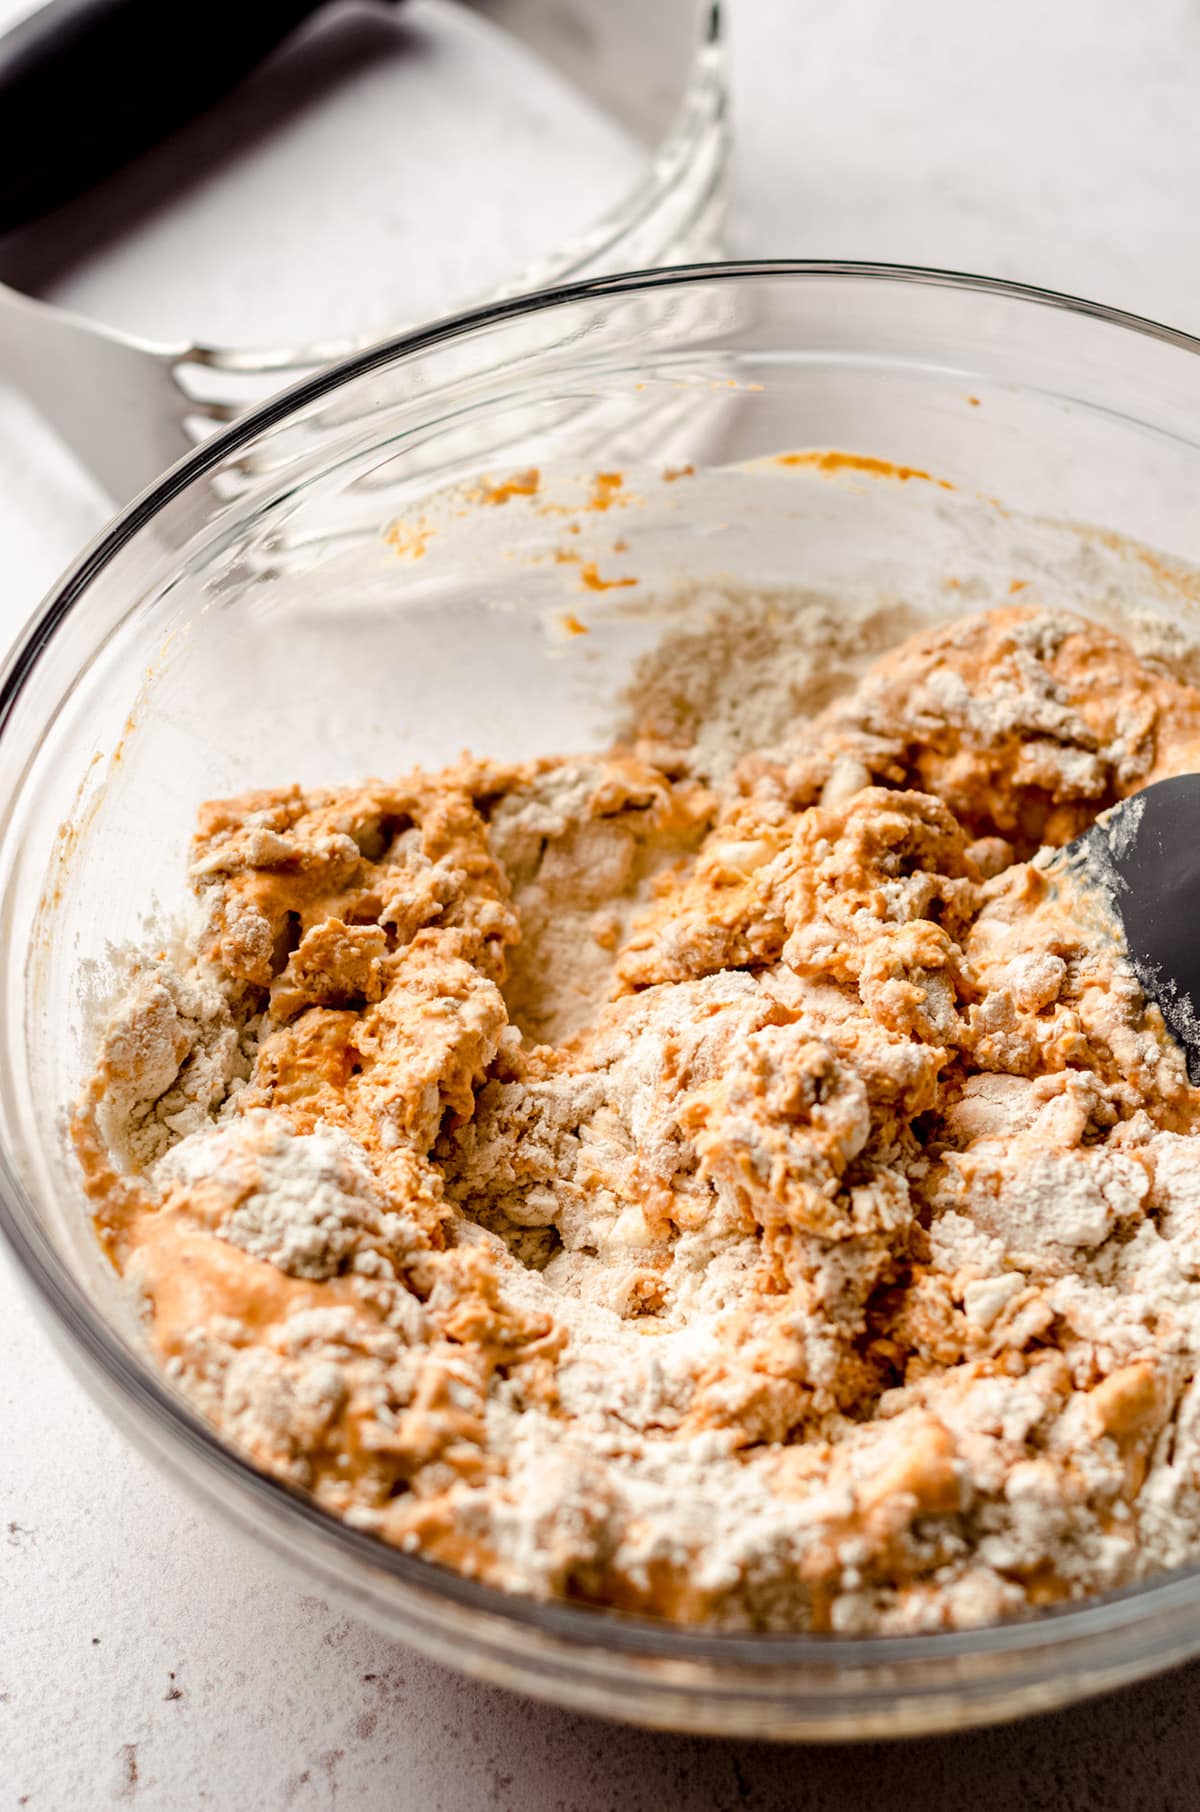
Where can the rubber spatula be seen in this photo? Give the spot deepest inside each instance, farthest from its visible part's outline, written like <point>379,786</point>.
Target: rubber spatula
<point>1145,854</point>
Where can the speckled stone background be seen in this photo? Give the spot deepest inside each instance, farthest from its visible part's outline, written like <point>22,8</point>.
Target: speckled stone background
<point>148,1659</point>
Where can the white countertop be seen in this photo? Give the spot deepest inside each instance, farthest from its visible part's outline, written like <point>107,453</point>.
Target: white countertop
<point>146,1656</point>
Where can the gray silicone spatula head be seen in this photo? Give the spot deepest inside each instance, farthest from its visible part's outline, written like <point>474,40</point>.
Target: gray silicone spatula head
<point>1146,854</point>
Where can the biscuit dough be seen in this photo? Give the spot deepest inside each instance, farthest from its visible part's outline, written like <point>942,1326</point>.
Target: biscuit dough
<point>754,1194</point>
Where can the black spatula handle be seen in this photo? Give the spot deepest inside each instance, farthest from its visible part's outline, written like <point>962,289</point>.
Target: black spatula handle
<point>87,84</point>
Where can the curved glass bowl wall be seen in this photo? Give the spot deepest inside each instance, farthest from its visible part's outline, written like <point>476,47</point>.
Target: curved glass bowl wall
<point>250,621</point>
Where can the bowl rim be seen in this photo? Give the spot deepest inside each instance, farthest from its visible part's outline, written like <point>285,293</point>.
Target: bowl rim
<point>135,1382</point>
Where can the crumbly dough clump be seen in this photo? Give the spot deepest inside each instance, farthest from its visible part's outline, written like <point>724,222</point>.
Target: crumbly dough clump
<point>755,1194</point>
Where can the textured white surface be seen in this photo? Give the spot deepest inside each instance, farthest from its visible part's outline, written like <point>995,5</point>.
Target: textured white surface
<point>145,1657</point>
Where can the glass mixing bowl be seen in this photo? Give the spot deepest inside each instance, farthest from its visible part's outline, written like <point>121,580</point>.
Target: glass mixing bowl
<point>342,584</point>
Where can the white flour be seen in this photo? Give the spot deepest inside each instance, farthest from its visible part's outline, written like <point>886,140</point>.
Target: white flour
<point>857,1258</point>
